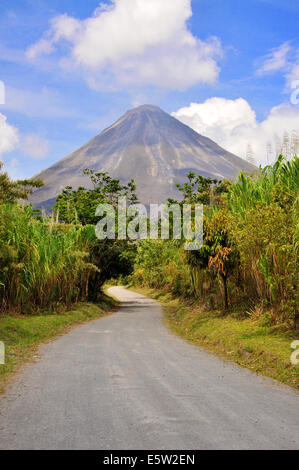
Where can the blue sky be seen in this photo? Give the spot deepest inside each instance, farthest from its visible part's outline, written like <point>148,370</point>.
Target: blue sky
<point>71,68</point>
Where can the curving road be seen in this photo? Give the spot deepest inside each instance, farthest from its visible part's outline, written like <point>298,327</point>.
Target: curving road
<point>125,382</point>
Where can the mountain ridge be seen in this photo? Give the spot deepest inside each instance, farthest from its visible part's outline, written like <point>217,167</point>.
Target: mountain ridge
<point>146,144</point>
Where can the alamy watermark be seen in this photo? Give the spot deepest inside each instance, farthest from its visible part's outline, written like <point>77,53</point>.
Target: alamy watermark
<point>163,222</point>
<point>2,92</point>
<point>295,354</point>
<point>295,94</point>
<point>2,353</point>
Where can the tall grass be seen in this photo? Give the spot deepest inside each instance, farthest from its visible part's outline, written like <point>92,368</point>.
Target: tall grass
<point>278,183</point>
<point>252,240</point>
<point>42,263</point>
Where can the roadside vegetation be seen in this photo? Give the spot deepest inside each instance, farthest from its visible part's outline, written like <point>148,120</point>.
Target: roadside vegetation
<point>255,344</point>
<point>237,294</point>
<point>48,262</point>
<point>249,259</point>
<point>52,268</point>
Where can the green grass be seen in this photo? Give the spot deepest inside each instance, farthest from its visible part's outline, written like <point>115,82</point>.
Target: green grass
<point>23,334</point>
<point>263,349</point>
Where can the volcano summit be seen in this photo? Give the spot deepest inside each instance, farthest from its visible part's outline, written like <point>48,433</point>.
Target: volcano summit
<point>146,144</point>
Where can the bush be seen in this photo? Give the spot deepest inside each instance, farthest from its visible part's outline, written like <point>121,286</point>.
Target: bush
<point>251,240</point>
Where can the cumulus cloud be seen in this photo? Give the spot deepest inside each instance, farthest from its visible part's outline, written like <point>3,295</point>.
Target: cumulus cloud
<point>234,126</point>
<point>9,138</point>
<point>35,146</point>
<point>127,43</point>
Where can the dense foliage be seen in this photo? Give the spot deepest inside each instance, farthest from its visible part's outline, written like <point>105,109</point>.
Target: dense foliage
<point>249,258</point>
<point>79,205</point>
<point>248,261</point>
<point>48,261</point>
<point>42,263</point>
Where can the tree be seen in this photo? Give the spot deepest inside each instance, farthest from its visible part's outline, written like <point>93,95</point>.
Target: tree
<point>11,191</point>
<point>250,155</point>
<point>286,144</point>
<point>79,205</point>
<point>278,146</point>
<point>216,254</point>
<point>201,190</point>
<point>294,143</point>
<point>112,257</point>
<point>269,153</point>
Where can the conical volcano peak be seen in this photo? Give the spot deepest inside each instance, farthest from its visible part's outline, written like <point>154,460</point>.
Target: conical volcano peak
<point>146,107</point>
<point>146,144</point>
<point>141,114</point>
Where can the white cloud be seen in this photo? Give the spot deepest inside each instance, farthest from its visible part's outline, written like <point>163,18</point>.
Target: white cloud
<point>277,59</point>
<point>9,138</point>
<point>135,42</point>
<point>43,46</point>
<point>62,27</point>
<point>35,146</point>
<point>284,58</point>
<point>293,73</point>
<point>234,126</point>
<point>12,168</point>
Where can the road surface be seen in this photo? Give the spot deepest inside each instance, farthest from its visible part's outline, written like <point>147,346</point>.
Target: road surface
<point>126,382</point>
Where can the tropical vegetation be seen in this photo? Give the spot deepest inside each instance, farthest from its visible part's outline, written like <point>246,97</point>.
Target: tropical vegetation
<point>248,260</point>
<point>50,261</point>
<point>249,257</point>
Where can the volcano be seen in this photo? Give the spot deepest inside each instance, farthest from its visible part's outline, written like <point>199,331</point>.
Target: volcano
<point>146,144</point>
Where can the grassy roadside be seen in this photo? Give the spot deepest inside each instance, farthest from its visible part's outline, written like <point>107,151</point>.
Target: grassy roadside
<point>252,344</point>
<point>23,334</point>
